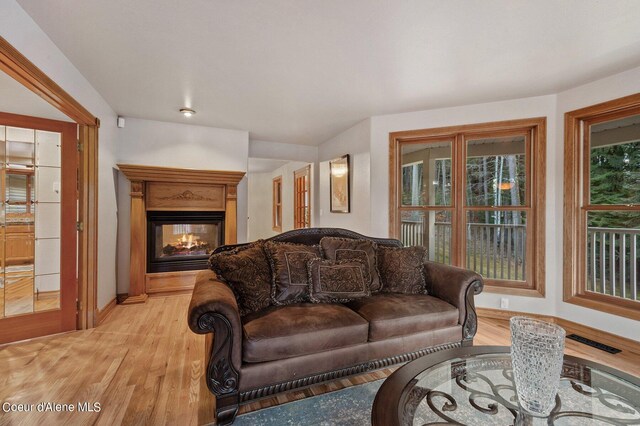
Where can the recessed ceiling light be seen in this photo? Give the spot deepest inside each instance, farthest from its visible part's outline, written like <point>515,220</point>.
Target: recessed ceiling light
<point>188,112</point>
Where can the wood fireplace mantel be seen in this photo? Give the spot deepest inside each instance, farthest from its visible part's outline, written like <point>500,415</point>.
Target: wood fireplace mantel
<point>196,189</point>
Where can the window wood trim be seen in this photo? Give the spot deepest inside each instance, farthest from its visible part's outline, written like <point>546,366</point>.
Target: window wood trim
<point>276,215</point>
<point>536,203</point>
<point>574,239</point>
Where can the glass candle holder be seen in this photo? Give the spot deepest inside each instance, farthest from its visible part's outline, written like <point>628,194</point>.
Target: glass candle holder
<point>537,351</point>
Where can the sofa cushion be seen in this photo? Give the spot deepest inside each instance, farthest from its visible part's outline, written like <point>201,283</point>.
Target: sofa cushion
<point>299,329</point>
<point>347,248</point>
<point>246,271</point>
<point>402,269</point>
<point>394,314</point>
<point>290,280</point>
<point>335,281</point>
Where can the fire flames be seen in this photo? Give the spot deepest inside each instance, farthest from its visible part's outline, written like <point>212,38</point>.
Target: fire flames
<point>187,245</point>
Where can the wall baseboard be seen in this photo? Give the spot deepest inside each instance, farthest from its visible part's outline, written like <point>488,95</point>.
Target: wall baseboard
<point>102,314</point>
<point>605,337</point>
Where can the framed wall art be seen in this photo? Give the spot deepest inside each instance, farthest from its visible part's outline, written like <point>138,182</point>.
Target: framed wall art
<point>339,184</point>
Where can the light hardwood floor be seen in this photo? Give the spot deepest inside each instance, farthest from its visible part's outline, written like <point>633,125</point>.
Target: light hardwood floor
<point>143,366</point>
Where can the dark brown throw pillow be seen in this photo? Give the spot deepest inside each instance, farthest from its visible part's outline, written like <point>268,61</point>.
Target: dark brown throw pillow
<point>402,269</point>
<point>335,248</point>
<point>289,271</point>
<point>338,281</point>
<point>246,270</point>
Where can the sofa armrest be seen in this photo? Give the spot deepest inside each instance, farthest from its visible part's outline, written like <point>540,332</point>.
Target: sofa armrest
<point>456,286</point>
<point>213,309</point>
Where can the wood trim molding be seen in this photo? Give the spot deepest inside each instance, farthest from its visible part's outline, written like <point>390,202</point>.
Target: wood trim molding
<point>571,327</point>
<point>24,71</point>
<point>166,282</point>
<point>231,215</point>
<point>102,314</point>
<point>137,245</point>
<point>171,174</point>
<point>574,244</point>
<point>276,204</point>
<point>88,235</point>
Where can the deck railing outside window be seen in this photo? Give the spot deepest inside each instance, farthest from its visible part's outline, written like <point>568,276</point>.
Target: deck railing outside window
<point>498,252</point>
<point>612,261</point>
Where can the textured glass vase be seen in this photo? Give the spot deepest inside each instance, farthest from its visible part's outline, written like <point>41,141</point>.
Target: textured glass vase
<point>537,349</point>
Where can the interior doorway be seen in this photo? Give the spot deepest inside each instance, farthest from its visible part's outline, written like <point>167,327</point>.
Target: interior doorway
<point>82,223</point>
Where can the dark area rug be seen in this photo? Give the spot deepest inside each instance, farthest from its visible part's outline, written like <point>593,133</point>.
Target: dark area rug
<point>350,406</point>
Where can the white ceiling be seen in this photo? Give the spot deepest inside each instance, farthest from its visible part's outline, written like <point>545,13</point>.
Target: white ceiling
<point>17,99</point>
<point>300,71</point>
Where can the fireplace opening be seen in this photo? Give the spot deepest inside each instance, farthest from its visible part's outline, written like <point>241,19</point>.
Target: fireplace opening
<point>182,241</point>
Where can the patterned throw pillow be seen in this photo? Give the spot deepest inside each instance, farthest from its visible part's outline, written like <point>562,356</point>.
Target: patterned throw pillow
<point>338,281</point>
<point>246,270</point>
<point>402,269</point>
<point>346,249</point>
<point>290,280</point>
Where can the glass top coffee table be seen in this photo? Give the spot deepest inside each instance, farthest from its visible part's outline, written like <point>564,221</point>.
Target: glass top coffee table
<point>474,386</point>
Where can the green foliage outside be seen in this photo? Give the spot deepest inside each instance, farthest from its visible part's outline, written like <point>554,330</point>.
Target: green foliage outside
<point>615,179</point>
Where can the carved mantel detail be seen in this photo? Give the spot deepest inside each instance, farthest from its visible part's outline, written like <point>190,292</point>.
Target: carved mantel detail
<point>186,196</point>
<point>168,188</point>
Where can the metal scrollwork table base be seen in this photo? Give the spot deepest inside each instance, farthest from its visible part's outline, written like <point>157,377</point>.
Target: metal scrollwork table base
<point>474,386</point>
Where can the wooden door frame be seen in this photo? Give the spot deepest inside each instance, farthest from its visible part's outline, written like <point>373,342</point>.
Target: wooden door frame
<point>25,72</point>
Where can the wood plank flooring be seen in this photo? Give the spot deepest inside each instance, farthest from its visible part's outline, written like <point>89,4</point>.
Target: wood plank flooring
<point>143,365</point>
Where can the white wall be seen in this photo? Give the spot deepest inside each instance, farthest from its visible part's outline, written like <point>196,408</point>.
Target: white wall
<point>157,143</point>
<point>24,34</point>
<point>260,206</point>
<point>291,152</point>
<point>261,202</point>
<point>354,141</point>
<point>616,86</point>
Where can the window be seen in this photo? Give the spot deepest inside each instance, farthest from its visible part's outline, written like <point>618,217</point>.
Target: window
<point>602,207</point>
<point>302,198</point>
<point>277,204</point>
<point>474,196</point>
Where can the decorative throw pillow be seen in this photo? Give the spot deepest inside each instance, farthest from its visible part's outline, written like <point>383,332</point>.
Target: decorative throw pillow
<point>402,269</point>
<point>246,270</point>
<point>332,281</point>
<point>346,249</point>
<point>289,271</point>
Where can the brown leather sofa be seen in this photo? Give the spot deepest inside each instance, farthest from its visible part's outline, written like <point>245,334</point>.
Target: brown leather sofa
<point>287,347</point>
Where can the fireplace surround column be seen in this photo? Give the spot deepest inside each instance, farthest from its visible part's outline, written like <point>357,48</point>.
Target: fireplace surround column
<point>137,258</point>
<point>171,189</point>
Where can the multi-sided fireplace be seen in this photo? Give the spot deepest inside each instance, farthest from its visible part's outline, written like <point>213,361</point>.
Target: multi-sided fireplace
<point>177,218</point>
<point>182,241</point>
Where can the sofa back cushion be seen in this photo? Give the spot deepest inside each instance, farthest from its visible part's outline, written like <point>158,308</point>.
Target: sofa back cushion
<point>290,280</point>
<point>347,249</point>
<point>402,269</point>
<point>312,236</point>
<point>246,270</point>
<point>332,281</point>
